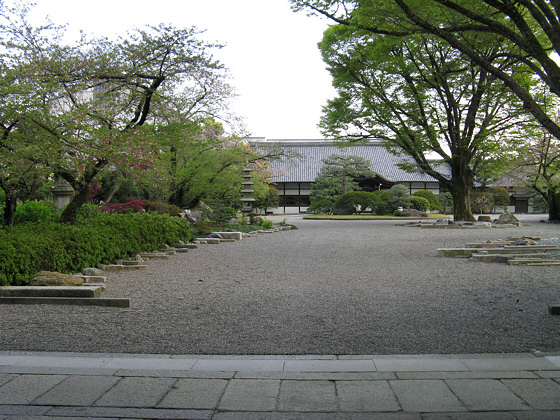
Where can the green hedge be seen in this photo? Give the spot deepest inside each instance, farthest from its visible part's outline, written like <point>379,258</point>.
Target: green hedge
<point>29,248</point>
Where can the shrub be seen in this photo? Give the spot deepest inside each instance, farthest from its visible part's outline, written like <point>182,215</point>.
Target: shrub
<point>482,202</point>
<point>321,206</point>
<point>132,205</point>
<point>266,224</point>
<point>399,197</point>
<point>398,213</point>
<point>32,247</point>
<point>163,208</point>
<point>220,212</point>
<point>202,227</point>
<point>32,212</point>
<point>361,200</point>
<point>432,199</point>
<point>420,203</point>
<point>501,197</point>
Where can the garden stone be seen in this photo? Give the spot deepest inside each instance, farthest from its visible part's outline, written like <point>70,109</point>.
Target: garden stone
<point>484,218</point>
<point>507,219</point>
<point>51,278</point>
<point>215,235</point>
<point>91,271</point>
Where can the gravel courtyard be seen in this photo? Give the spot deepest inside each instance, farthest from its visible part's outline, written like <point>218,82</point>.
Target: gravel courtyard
<point>330,287</point>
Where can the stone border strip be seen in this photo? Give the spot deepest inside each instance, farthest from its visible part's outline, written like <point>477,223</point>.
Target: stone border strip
<point>107,302</point>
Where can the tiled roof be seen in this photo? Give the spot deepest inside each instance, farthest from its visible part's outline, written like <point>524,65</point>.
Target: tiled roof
<point>307,166</point>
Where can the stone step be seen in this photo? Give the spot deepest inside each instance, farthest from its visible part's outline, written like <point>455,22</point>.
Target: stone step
<point>92,279</point>
<point>186,246</point>
<point>107,302</point>
<point>545,263</point>
<point>523,261</point>
<point>182,250</point>
<point>231,235</point>
<point>513,249</point>
<point>120,267</point>
<point>52,291</point>
<point>488,245</point>
<point>132,262</point>
<point>155,256</point>
<point>208,240</point>
<point>505,258</point>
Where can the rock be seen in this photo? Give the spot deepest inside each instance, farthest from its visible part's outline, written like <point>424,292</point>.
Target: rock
<point>192,216</point>
<point>52,278</point>
<point>90,271</point>
<point>215,235</point>
<point>525,241</point>
<point>414,213</point>
<point>483,224</point>
<point>507,219</point>
<point>138,258</point>
<point>485,218</point>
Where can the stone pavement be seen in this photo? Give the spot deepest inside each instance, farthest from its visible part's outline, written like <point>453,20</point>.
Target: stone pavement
<point>81,385</point>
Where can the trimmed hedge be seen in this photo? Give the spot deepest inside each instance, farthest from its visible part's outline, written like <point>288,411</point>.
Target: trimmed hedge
<point>29,248</point>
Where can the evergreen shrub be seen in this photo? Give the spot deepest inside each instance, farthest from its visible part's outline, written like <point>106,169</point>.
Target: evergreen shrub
<point>432,199</point>
<point>321,206</point>
<point>28,248</point>
<point>420,203</point>
<point>32,212</point>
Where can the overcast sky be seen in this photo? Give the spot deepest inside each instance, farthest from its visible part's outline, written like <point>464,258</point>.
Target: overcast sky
<point>271,52</point>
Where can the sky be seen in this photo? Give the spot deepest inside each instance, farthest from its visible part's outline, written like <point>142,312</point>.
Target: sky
<point>271,52</point>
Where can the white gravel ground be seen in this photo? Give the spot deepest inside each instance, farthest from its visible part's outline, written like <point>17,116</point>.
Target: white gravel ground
<point>330,287</point>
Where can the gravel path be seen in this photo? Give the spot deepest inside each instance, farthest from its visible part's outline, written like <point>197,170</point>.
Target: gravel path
<point>331,287</point>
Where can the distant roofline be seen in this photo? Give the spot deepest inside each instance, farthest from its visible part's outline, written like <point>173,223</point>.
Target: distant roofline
<point>301,142</point>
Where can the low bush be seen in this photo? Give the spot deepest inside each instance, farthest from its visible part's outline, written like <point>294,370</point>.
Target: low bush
<point>321,206</point>
<point>358,200</point>
<point>420,203</point>
<point>266,224</point>
<point>432,199</point>
<point>28,248</point>
<point>32,212</point>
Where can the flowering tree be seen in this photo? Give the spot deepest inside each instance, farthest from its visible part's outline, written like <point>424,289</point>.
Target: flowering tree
<point>92,104</point>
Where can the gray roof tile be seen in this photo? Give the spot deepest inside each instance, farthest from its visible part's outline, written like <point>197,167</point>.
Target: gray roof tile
<point>306,167</point>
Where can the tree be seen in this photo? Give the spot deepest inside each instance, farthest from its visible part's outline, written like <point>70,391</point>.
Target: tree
<point>99,99</point>
<point>420,97</point>
<point>538,166</point>
<point>526,31</point>
<point>346,168</point>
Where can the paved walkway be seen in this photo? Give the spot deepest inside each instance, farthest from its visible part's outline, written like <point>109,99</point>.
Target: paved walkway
<point>80,385</point>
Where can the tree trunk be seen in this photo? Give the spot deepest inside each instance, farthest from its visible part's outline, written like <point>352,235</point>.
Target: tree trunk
<point>10,210</point>
<point>460,188</point>
<point>553,201</point>
<point>70,213</point>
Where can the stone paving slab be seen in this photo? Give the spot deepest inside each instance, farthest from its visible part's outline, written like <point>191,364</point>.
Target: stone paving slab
<point>250,395</point>
<point>330,366</point>
<point>426,396</point>
<point>485,395</point>
<point>140,389</point>
<point>136,392</point>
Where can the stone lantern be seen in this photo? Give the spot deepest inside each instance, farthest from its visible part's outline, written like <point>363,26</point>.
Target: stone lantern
<point>247,198</point>
<point>63,192</point>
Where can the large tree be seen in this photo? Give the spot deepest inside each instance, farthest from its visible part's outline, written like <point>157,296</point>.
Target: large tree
<point>99,98</point>
<point>422,98</point>
<point>527,31</point>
